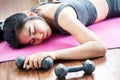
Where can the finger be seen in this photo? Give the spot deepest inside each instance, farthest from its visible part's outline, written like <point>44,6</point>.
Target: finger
<point>35,63</point>
<point>27,67</point>
<point>26,63</point>
<point>31,63</point>
<point>39,63</point>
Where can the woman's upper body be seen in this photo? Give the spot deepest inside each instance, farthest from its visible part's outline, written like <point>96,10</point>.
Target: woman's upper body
<point>67,19</point>
<point>34,29</point>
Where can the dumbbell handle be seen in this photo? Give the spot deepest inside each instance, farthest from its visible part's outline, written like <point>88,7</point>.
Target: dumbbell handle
<point>75,68</point>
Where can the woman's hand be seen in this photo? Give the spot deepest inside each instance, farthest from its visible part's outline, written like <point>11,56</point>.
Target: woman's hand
<point>34,61</point>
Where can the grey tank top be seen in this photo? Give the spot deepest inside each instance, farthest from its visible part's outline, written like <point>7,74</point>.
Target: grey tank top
<point>84,9</point>
<point>114,8</point>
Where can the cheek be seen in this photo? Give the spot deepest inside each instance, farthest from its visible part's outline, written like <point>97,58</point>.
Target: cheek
<point>24,38</point>
<point>42,28</point>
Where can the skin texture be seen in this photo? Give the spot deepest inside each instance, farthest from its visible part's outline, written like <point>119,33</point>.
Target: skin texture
<point>34,32</point>
<point>38,30</point>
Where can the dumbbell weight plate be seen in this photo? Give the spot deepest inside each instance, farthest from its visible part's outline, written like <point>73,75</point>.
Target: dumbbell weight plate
<point>20,61</point>
<point>47,63</point>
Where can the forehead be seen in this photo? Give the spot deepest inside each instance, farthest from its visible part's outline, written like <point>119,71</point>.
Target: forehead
<point>24,35</point>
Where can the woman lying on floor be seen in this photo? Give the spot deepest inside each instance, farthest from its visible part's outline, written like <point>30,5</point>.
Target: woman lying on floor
<point>33,26</point>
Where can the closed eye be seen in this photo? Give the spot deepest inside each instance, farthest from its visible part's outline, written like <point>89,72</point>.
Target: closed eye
<point>32,41</point>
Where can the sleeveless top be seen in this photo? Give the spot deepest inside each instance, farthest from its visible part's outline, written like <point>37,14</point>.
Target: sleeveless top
<point>84,9</point>
<point>114,8</point>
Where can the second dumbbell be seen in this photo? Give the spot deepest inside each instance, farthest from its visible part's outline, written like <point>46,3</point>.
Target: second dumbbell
<point>61,70</point>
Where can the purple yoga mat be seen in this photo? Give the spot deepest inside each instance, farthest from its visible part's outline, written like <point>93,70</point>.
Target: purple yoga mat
<point>108,31</point>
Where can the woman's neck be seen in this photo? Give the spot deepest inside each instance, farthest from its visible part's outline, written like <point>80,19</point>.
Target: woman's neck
<point>47,12</point>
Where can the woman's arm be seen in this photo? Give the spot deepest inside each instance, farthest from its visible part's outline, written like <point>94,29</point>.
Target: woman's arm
<point>91,46</point>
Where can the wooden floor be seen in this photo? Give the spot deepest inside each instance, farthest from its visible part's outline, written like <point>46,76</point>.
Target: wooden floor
<point>107,68</point>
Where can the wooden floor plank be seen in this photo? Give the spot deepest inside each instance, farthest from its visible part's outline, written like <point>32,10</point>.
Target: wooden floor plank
<point>3,71</point>
<point>108,67</point>
<point>9,71</point>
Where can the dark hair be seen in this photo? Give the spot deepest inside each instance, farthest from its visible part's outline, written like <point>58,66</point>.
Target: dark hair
<point>12,27</point>
<point>1,32</point>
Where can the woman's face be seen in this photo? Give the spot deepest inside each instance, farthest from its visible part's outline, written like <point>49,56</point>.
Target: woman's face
<point>34,32</point>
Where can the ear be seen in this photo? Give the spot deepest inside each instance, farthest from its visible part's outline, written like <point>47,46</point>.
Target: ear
<point>30,13</point>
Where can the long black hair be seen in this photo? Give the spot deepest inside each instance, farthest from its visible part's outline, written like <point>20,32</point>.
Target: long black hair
<point>12,27</point>
<point>1,31</point>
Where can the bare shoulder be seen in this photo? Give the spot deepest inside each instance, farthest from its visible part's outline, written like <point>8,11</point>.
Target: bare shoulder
<point>68,21</point>
<point>66,16</point>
